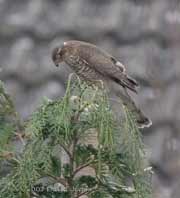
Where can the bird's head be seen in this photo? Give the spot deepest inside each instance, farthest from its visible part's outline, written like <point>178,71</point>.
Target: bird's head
<point>57,56</point>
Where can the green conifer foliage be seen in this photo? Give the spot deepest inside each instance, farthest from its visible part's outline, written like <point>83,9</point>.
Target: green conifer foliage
<point>8,121</point>
<point>58,151</point>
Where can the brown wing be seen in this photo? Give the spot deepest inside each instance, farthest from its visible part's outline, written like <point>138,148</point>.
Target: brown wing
<point>97,58</point>
<point>105,64</point>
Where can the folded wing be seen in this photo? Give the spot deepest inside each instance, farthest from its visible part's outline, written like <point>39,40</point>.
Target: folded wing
<point>107,66</point>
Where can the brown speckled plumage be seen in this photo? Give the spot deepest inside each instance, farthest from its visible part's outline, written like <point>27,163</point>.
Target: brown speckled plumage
<point>92,64</point>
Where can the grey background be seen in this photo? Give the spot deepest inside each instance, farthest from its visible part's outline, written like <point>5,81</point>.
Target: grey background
<point>143,34</point>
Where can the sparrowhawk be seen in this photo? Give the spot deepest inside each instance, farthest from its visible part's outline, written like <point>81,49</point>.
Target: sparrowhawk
<point>92,64</point>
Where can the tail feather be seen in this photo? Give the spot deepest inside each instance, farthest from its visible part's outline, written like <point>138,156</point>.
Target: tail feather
<point>133,81</point>
<point>144,122</point>
<point>126,81</point>
<point>130,83</point>
<point>141,119</point>
<point>130,86</point>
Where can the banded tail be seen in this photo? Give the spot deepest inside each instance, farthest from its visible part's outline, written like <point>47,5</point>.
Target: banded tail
<point>141,119</point>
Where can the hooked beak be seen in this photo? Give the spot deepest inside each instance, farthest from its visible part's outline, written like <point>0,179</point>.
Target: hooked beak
<point>56,64</point>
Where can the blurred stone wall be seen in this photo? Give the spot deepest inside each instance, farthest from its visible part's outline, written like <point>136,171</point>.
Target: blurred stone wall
<point>143,34</point>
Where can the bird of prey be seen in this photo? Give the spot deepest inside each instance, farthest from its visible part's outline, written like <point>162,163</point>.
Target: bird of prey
<point>93,65</point>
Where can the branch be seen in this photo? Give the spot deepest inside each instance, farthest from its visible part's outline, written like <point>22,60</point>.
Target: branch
<point>81,167</point>
<point>66,150</point>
